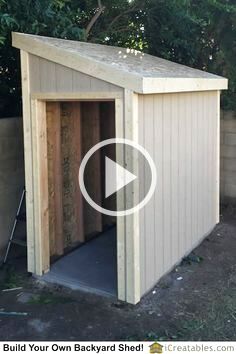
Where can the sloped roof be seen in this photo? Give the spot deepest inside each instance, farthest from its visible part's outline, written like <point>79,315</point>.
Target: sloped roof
<point>123,67</point>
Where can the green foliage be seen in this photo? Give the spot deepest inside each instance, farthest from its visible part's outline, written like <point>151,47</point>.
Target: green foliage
<point>122,23</point>
<point>49,18</point>
<point>119,24</point>
<point>199,33</point>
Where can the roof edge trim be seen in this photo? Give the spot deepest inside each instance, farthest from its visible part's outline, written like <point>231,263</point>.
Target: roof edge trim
<point>112,74</point>
<point>79,63</point>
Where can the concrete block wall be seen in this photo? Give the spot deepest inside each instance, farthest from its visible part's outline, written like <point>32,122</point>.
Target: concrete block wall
<point>11,174</point>
<point>228,156</point>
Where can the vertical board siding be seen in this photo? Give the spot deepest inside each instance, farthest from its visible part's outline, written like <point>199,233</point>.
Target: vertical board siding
<point>148,106</point>
<point>179,131</point>
<point>142,211</point>
<point>47,76</point>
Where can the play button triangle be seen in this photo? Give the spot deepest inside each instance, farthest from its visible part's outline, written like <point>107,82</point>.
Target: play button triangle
<point>116,177</point>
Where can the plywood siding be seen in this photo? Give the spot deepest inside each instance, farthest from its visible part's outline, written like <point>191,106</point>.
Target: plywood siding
<point>46,76</point>
<point>180,133</point>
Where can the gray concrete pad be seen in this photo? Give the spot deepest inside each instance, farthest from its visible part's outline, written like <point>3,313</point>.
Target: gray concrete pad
<point>91,267</point>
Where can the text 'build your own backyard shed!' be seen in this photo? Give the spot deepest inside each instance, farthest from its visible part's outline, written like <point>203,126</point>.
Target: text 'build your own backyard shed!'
<point>76,94</point>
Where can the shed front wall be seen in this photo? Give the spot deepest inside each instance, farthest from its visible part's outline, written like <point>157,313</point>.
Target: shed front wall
<point>50,77</point>
<point>44,81</point>
<point>181,133</point>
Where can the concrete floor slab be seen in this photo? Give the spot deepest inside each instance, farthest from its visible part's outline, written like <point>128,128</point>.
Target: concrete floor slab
<point>91,267</point>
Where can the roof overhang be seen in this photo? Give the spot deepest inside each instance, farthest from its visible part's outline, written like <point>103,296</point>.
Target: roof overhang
<point>113,74</point>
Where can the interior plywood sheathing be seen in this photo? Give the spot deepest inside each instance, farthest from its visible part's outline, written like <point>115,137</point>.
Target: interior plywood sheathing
<point>55,178</point>
<point>71,157</point>
<point>107,127</point>
<point>92,177</point>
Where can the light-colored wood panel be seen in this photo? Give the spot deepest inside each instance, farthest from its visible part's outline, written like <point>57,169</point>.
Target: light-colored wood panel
<point>194,157</point>
<point>34,70</point>
<point>120,220</point>
<point>174,156</point>
<point>167,180</point>
<point>41,200</point>
<point>211,158</point>
<point>159,193</point>
<point>141,192</point>
<point>188,155</point>
<point>28,157</point>
<point>131,199</point>
<point>150,207</point>
<point>77,96</point>
<point>182,174</point>
<point>80,82</point>
<point>47,74</point>
<point>185,144</point>
<point>98,85</point>
<point>217,157</point>
<point>63,79</point>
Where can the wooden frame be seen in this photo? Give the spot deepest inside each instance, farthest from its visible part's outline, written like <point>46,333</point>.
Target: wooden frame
<point>35,130</point>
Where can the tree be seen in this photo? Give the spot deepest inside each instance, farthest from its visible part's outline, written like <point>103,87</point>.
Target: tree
<point>199,33</point>
<point>49,18</point>
<point>102,21</point>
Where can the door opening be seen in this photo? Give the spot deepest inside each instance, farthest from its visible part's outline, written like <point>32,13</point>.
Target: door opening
<point>83,249</point>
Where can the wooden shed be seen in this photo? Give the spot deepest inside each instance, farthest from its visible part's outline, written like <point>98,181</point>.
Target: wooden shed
<point>76,94</point>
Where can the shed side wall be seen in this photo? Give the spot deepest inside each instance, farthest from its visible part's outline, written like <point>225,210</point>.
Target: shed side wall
<point>180,133</point>
<point>47,76</point>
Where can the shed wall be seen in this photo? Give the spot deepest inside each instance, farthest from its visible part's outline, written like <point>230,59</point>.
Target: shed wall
<point>47,76</point>
<point>180,131</point>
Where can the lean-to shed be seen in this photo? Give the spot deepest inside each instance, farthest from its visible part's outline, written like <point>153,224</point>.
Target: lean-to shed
<point>71,92</point>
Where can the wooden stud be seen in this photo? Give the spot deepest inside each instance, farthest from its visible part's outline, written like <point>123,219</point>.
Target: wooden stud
<point>107,128</point>
<point>218,159</point>
<point>77,148</point>
<point>28,156</point>
<point>41,200</point>
<point>71,158</point>
<point>132,199</point>
<point>72,96</point>
<point>120,200</point>
<point>55,178</point>
<point>92,177</point>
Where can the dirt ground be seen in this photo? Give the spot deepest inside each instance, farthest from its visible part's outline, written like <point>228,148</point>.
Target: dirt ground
<point>201,305</point>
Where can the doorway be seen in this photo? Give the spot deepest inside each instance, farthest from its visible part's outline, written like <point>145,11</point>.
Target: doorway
<point>83,253</point>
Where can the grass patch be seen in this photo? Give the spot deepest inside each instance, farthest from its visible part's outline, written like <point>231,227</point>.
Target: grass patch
<point>11,279</point>
<point>217,322</point>
<point>49,298</point>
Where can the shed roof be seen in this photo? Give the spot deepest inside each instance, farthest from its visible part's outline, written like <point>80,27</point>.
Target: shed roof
<point>123,67</point>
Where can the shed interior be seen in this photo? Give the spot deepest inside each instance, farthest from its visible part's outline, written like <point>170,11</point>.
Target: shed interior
<point>82,240</point>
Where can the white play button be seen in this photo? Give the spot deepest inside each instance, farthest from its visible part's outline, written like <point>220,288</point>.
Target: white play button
<point>116,177</point>
<point>111,199</point>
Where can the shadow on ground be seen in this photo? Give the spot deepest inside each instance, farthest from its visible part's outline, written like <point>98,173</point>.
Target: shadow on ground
<point>196,301</point>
